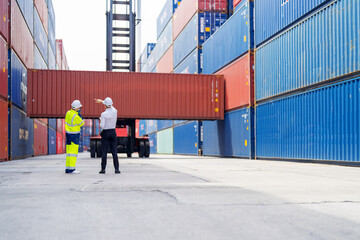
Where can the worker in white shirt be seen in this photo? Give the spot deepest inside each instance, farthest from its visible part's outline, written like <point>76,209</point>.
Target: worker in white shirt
<point>108,134</point>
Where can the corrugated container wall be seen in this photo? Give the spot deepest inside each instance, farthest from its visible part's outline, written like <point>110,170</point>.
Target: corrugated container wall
<point>39,62</point>
<point>272,16</point>
<point>43,13</point>
<point>22,134</point>
<point>162,96</point>
<point>40,138</point>
<point>51,141</point>
<point>151,126</point>
<point>146,53</point>
<point>51,59</point>
<point>58,53</point>
<point>27,9</point>
<point>186,138</point>
<point>4,18</point>
<point>51,12</point>
<point>3,69</point>
<point>163,124</point>
<point>166,14</point>
<point>324,46</point>
<point>188,8</point>
<point>142,127</point>
<point>321,124</point>
<point>153,142</point>
<point>231,137</point>
<point>196,32</point>
<point>59,143</point>
<point>192,64</point>
<point>3,130</point>
<point>165,141</point>
<point>21,39</point>
<point>239,83</point>
<point>166,64</point>
<point>40,36</point>
<point>52,123</point>
<point>164,42</point>
<point>51,37</point>
<point>18,78</point>
<point>231,41</point>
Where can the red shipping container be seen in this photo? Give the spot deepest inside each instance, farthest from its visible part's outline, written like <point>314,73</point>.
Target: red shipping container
<point>3,69</point>
<point>43,120</point>
<point>40,138</point>
<point>3,130</point>
<point>239,83</point>
<point>122,132</point>
<point>21,40</point>
<point>59,53</point>
<point>166,63</point>
<point>42,9</point>
<point>188,8</point>
<point>4,19</point>
<point>137,130</point>
<point>235,3</point>
<point>59,143</point>
<point>135,95</point>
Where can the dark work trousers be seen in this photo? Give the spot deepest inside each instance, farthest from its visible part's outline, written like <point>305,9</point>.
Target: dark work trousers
<point>108,138</point>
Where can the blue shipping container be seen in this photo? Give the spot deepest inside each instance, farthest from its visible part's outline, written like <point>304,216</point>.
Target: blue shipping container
<point>321,124</point>
<point>40,36</point>
<point>153,143</point>
<point>162,124</point>
<point>51,12</point>
<point>324,46</point>
<point>22,134</point>
<point>142,127</point>
<point>39,62</point>
<point>164,42</point>
<point>27,9</point>
<point>177,122</point>
<point>51,36</point>
<point>229,137</point>
<point>150,64</point>
<point>232,40</point>
<point>151,126</point>
<point>52,123</point>
<point>186,138</point>
<point>192,64</point>
<point>51,60</point>
<point>146,53</point>
<point>272,16</point>
<point>166,15</point>
<point>52,141</point>
<point>196,32</point>
<point>18,81</point>
<point>81,142</point>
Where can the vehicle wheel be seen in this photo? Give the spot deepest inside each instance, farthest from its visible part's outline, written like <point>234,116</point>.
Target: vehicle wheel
<point>128,155</point>
<point>98,149</point>
<point>147,149</point>
<point>141,149</point>
<point>92,148</point>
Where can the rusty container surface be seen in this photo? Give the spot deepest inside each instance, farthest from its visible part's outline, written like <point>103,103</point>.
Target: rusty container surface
<point>135,95</point>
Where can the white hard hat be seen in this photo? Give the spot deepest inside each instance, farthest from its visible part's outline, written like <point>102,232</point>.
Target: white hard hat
<point>76,104</point>
<point>108,102</point>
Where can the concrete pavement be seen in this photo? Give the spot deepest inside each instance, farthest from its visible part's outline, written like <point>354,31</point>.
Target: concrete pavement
<point>178,197</point>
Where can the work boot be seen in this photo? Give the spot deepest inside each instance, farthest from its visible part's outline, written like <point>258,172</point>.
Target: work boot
<point>102,172</point>
<point>117,171</point>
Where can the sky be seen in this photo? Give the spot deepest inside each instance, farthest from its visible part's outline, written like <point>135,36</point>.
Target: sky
<point>82,26</point>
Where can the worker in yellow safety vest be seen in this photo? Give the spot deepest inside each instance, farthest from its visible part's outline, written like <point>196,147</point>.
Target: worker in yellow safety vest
<point>73,124</point>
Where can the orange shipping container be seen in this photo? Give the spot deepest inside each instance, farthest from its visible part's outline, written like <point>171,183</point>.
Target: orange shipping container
<point>166,63</point>
<point>239,83</point>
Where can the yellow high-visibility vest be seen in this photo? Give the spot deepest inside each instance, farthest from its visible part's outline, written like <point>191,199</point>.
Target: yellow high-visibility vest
<point>73,122</point>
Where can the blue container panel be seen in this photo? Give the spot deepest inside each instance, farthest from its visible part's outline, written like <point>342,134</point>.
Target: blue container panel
<point>51,36</point>
<point>232,40</point>
<point>322,124</point>
<point>186,138</point>
<point>164,41</point>
<point>164,17</point>
<point>40,36</point>
<point>273,15</point>
<point>39,62</point>
<point>27,9</point>
<point>229,137</point>
<point>52,60</point>
<point>151,126</point>
<point>52,123</point>
<point>52,141</point>
<point>162,124</point>
<point>177,122</point>
<point>18,82</point>
<point>142,127</point>
<point>150,64</point>
<point>22,135</point>
<point>192,64</point>
<point>81,142</point>
<point>324,46</point>
<point>196,32</point>
<point>51,12</point>
<point>153,143</point>
<point>146,53</point>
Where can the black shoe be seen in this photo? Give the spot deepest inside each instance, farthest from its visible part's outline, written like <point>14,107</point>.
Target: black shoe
<point>117,171</point>
<point>102,172</point>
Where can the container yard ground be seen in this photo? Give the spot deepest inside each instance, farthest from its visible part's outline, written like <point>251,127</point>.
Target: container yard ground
<point>178,197</point>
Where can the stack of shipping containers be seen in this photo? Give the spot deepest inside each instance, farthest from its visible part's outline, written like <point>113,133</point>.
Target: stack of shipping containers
<point>307,81</point>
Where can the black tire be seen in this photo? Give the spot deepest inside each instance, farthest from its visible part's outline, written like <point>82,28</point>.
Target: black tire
<point>98,149</point>
<point>128,155</point>
<point>147,149</point>
<point>92,148</point>
<point>141,149</point>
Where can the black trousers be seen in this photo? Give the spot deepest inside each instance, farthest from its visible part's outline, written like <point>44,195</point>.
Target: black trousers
<point>108,138</point>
